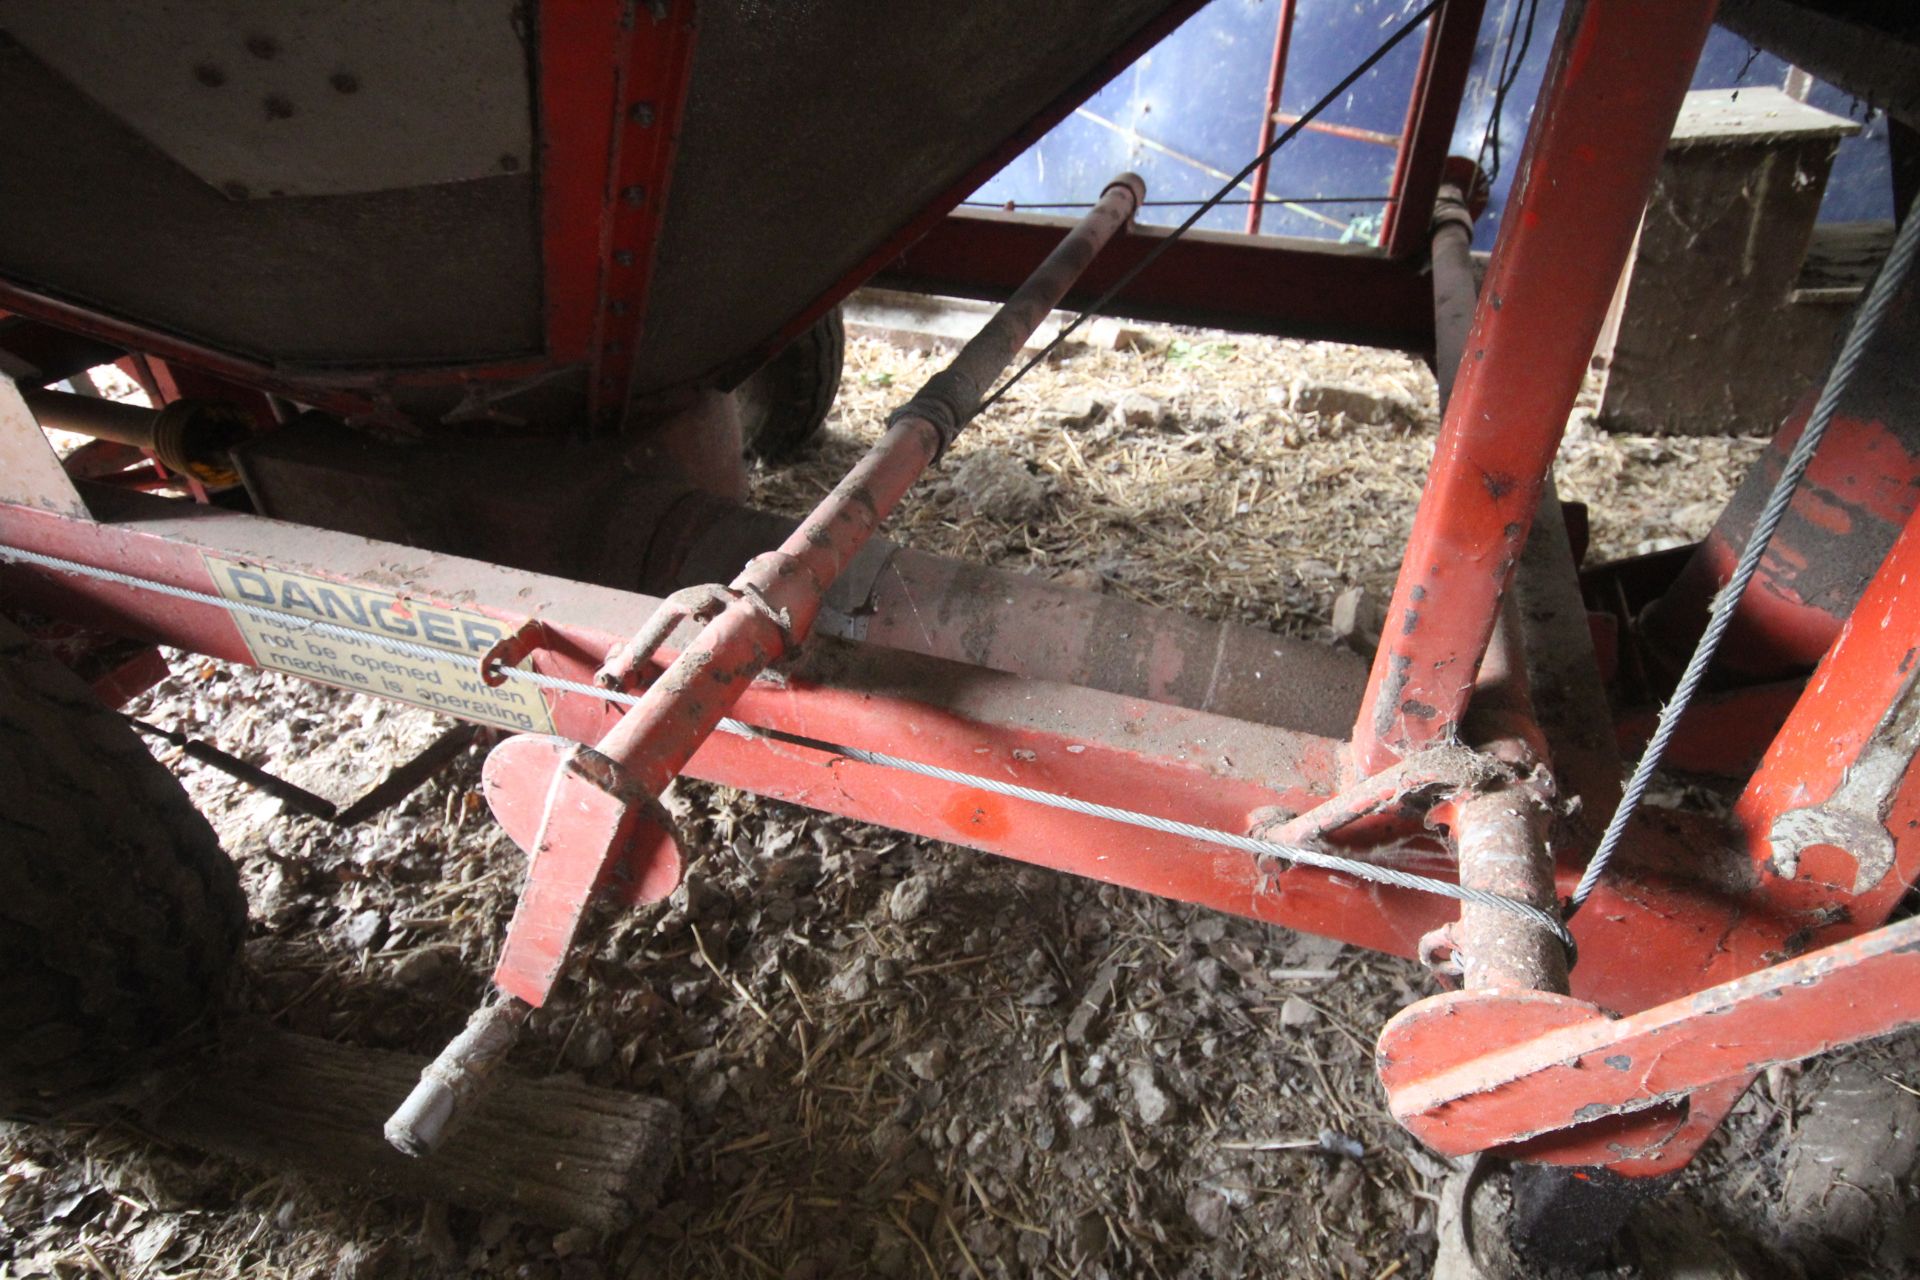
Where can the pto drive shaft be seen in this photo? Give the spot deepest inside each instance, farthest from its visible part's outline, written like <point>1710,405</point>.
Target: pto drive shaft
<point>582,812</point>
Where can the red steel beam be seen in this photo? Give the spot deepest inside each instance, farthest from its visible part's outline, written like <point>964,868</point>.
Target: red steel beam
<point>1276,77</point>
<point>1838,780</point>
<point>1267,284</point>
<point>1618,75</point>
<point>1597,1067</point>
<point>1106,748</point>
<point>613,81</point>
<point>1446,59</point>
<point>1646,936</point>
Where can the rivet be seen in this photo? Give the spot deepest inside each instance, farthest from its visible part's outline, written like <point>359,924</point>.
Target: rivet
<point>641,113</point>
<point>344,81</point>
<point>623,257</point>
<point>635,194</point>
<point>209,75</point>
<point>278,107</point>
<point>263,46</point>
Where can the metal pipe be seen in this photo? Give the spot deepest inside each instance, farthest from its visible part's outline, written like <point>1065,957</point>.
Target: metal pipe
<point>1619,73</point>
<point>1455,290</point>
<point>91,416</point>
<point>1276,77</point>
<point>193,437</point>
<point>778,595</point>
<point>1500,833</point>
<point>1500,839</point>
<point>1351,132</point>
<point>770,612</point>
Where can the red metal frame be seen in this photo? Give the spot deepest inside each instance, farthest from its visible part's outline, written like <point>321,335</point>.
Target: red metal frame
<point>1276,78</point>
<point>1148,756</point>
<point>1446,59</point>
<point>1580,1070</point>
<point>613,85</point>
<point>1699,934</point>
<point>1265,284</point>
<point>1599,132</point>
<point>1648,936</point>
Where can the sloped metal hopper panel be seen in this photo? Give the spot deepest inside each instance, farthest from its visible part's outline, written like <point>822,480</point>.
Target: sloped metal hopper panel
<point>815,130</point>
<point>155,169</point>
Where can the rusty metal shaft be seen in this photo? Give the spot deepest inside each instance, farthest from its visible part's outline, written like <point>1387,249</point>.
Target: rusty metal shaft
<point>188,436</point>
<point>778,595</point>
<point>769,610</point>
<point>102,419</point>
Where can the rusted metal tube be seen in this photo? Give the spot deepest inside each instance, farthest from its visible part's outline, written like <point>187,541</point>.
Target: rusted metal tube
<point>1500,839</point>
<point>92,416</point>
<point>1500,834</point>
<point>778,595</point>
<point>954,394</point>
<point>769,611</point>
<point>1455,291</point>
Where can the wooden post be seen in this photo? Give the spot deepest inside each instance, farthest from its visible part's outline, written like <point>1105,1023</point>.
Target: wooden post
<point>551,1150</point>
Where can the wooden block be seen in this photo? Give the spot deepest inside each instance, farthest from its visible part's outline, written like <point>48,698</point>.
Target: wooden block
<point>1709,333</point>
<point>551,1150</point>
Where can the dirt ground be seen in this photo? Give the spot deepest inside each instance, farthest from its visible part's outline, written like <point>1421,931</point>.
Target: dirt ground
<point>896,1057</point>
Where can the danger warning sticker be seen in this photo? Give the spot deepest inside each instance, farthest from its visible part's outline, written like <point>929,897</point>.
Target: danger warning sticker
<point>451,684</point>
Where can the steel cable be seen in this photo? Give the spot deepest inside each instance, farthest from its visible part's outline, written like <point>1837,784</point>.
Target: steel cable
<point>1865,324</point>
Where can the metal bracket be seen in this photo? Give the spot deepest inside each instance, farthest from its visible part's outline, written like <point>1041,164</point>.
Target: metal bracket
<point>512,650</point>
<point>701,603</point>
<point>1853,819</point>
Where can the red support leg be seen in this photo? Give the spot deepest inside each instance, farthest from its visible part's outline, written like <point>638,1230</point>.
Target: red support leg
<point>1831,819</point>
<point>1618,76</point>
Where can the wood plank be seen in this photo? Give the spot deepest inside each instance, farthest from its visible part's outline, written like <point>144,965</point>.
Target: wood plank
<point>552,1150</point>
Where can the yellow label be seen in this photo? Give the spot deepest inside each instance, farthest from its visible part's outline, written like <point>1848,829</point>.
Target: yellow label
<point>449,684</point>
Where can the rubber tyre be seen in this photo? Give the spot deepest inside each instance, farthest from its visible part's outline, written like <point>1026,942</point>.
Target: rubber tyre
<point>120,916</point>
<point>785,403</point>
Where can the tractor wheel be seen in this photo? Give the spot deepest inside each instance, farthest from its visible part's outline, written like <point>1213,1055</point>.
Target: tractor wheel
<point>119,915</point>
<point>784,404</point>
